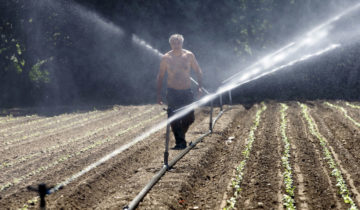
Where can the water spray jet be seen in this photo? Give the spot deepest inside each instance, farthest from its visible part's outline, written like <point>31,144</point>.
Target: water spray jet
<point>291,63</point>
<point>254,66</point>
<point>318,35</point>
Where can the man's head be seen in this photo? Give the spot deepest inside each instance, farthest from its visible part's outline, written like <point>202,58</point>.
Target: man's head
<point>176,41</point>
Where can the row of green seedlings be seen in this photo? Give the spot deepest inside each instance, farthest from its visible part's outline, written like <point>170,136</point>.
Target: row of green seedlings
<point>11,118</point>
<point>344,111</point>
<point>70,141</point>
<point>47,120</point>
<point>56,120</point>
<point>236,182</point>
<point>51,121</point>
<point>66,157</point>
<point>50,131</point>
<point>340,182</point>
<point>353,105</point>
<point>288,197</point>
<point>7,118</point>
<point>17,125</point>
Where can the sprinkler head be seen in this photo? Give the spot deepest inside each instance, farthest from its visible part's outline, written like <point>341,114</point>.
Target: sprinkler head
<point>42,190</point>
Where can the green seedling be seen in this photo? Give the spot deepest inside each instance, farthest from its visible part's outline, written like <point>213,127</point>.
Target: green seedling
<point>344,111</point>
<point>236,182</point>
<point>340,182</point>
<point>288,200</point>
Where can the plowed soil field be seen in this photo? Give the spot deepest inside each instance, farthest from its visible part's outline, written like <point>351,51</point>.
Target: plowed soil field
<point>268,156</point>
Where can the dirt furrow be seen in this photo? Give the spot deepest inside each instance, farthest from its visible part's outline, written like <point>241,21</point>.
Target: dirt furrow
<point>331,164</point>
<point>55,153</point>
<point>9,121</point>
<point>316,185</point>
<point>37,124</point>
<point>343,144</point>
<point>338,129</point>
<point>95,130</point>
<point>55,126</point>
<point>57,134</point>
<point>50,123</point>
<point>261,183</point>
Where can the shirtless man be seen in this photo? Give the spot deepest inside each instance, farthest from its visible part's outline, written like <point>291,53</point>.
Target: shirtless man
<point>177,63</point>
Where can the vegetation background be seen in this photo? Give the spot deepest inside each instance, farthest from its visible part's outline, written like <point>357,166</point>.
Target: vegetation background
<point>80,51</point>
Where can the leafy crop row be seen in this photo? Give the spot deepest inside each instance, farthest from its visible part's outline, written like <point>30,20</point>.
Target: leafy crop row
<point>71,155</point>
<point>72,140</point>
<point>49,131</point>
<point>288,181</point>
<point>48,120</point>
<point>344,111</point>
<point>236,182</point>
<point>10,118</point>
<point>340,182</point>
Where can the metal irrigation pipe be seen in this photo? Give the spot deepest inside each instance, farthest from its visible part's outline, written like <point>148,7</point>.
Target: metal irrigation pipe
<point>211,116</point>
<point>216,118</point>
<point>230,98</point>
<point>196,83</point>
<point>221,102</point>
<point>219,115</point>
<point>145,190</point>
<point>133,204</point>
<point>166,153</point>
<point>163,170</point>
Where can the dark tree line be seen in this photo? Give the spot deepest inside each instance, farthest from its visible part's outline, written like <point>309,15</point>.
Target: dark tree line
<point>76,51</point>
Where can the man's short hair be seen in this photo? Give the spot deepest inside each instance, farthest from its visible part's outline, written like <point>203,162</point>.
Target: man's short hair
<point>176,37</point>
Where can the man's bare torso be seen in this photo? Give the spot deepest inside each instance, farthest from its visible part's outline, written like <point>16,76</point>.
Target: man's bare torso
<point>178,69</point>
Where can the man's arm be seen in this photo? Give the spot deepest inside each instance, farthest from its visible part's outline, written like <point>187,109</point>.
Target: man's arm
<point>160,79</point>
<point>197,69</point>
